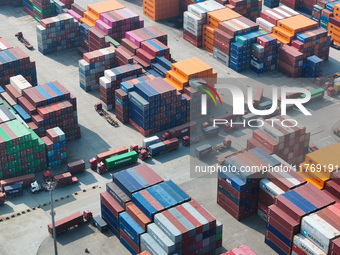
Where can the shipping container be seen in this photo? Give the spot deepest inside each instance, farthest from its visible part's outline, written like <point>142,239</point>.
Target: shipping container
<point>66,223</point>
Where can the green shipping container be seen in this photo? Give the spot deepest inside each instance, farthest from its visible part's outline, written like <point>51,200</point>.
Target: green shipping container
<point>112,41</point>
<point>315,94</point>
<point>120,160</point>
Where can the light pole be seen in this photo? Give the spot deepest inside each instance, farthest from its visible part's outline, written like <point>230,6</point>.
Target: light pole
<point>50,186</point>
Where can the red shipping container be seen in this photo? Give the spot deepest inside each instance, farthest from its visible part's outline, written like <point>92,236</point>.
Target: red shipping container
<point>277,214</point>
<point>111,203</point>
<point>137,215</point>
<point>278,242</point>
<point>66,223</point>
<point>289,208</point>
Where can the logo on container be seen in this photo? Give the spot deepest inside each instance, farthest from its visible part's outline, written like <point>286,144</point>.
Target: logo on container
<point>204,98</point>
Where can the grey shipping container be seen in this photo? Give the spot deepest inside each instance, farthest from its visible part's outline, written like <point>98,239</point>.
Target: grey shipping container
<point>99,223</point>
<point>203,151</point>
<point>210,131</point>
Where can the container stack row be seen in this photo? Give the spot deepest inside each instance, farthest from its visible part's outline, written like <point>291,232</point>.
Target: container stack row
<point>55,143</point>
<point>158,10</point>
<point>43,9</point>
<point>111,80</point>
<point>225,35</point>
<point>313,67</point>
<point>122,106</point>
<point>15,62</point>
<point>276,184</point>
<point>334,21</point>
<point>240,59</point>
<point>58,33</point>
<point>319,165</point>
<point>195,18</point>
<point>51,105</point>
<point>22,151</point>
<point>287,217</point>
<point>249,9</point>
<point>289,143</point>
<point>93,65</point>
<point>264,54</point>
<point>136,211</point>
<point>155,105</point>
<point>238,190</point>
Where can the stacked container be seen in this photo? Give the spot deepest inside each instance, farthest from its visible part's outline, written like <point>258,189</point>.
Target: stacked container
<point>43,9</point>
<point>313,42</point>
<point>238,190</point>
<point>244,249</point>
<point>22,151</point>
<point>264,54</point>
<point>240,58</point>
<point>334,22</point>
<point>271,3</point>
<point>249,9</point>
<point>286,216</point>
<point>225,34</point>
<point>313,67</point>
<point>67,3</point>
<point>116,23</point>
<point>155,105</point>
<point>55,146</point>
<point>93,65</point>
<point>195,18</point>
<point>158,10</point>
<point>183,229</point>
<point>290,61</point>
<point>14,62</point>
<point>51,105</point>
<point>122,106</point>
<point>139,35</point>
<point>112,79</point>
<point>58,33</point>
<point>290,144</point>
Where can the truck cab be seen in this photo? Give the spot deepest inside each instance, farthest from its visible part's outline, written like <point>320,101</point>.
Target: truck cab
<point>134,147</point>
<point>166,136</point>
<point>35,187</point>
<point>143,154</point>
<point>186,140</point>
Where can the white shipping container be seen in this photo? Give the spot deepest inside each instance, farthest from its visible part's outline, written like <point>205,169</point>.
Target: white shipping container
<point>275,14</point>
<point>185,222</point>
<point>20,83</point>
<point>318,231</point>
<point>150,245</point>
<point>192,18</point>
<point>289,9</point>
<point>258,48</point>
<point>272,132</point>
<point>257,65</point>
<point>146,142</point>
<point>105,83</point>
<point>266,25</point>
<point>270,188</point>
<point>168,228</point>
<point>161,238</point>
<point>307,246</point>
<point>111,76</point>
<point>201,9</point>
<point>287,15</point>
<point>191,30</point>
<point>197,216</point>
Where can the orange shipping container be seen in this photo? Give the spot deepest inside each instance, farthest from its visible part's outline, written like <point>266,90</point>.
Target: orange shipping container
<point>102,7</point>
<point>192,68</point>
<point>163,9</point>
<point>87,22</point>
<point>215,17</point>
<point>282,35</point>
<point>336,11</point>
<point>297,24</point>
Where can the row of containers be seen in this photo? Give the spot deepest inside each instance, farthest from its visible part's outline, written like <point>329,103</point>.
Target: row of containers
<point>231,37</point>
<point>35,124</point>
<point>300,206</point>
<point>13,61</point>
<point>157,104</point>
<point>149,214</point>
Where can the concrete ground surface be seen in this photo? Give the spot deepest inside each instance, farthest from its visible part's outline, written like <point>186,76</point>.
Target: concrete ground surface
<point>27,233</point>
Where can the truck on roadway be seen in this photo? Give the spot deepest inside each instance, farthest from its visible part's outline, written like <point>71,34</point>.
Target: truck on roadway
<point>68,222</point>
<point>116,161</point>
<point>206,149</point>
<point>26,181</point>
<point>65,179</point>
<point>181,130</point>
<point>207,132</point>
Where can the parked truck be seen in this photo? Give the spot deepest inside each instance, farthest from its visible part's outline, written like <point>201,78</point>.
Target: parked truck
<point>99,161</point>
<point>14,190</point>
<point>65,179</point>
<point>68,222</point>
<point>181,130</point>
<point>206,149</point>
<point>153,149</point>
<point>26,181</point>
<point>116,161</point>
<point>315,94</point>
<point>226,116</point>
<point>76,166</point>
<point>207,132</point>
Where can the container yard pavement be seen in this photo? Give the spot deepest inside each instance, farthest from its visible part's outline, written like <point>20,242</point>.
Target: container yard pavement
<point>98,136</point>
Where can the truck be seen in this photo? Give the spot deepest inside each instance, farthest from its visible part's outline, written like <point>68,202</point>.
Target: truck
<point>99,223</point>
<point>76,166</point>
<point>26,181</point>
<point>68,222</point>
<point>14,190</point>
<point>99,161</point>
<point>116,161</point>
<point>181,130</point>
<point>206,149</point>
<point>207,132</point>
<point>65,179</point>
